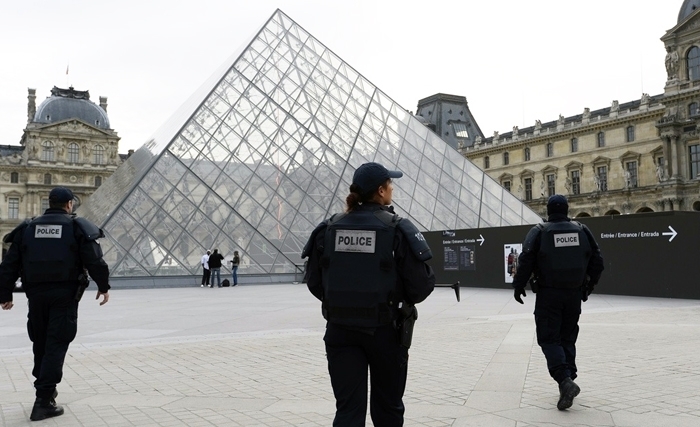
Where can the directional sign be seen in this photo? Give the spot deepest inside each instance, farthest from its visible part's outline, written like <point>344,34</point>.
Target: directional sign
<point>673,233</point>
<point>639,234</point>
<point>481,240</point>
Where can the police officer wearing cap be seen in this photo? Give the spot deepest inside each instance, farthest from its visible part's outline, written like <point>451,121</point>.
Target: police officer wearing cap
<point>565,264</point>
<point>367,266</point>
<point>51,253</point>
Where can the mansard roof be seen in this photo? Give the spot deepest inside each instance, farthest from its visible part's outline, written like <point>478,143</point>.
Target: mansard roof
<point>688,8</point>
<point>68,104</point>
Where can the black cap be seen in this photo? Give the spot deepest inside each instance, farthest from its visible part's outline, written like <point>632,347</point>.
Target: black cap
<point>557,204</point>
<point>370,176</point>
<point>61,195</point>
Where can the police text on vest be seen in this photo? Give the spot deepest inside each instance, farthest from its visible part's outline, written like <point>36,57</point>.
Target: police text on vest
<point>355,241</point>
<point>567,239</point>
<point>48,231</point>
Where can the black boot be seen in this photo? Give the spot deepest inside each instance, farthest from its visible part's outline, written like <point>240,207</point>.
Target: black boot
<point>567,391</point>
<point>45,407</point>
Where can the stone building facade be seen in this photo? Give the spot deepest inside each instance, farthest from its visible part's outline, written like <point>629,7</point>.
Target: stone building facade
<point>638,156</point>
<point>68,141</point>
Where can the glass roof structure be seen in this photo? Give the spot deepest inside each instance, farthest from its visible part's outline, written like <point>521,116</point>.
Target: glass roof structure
<point>266,150</point>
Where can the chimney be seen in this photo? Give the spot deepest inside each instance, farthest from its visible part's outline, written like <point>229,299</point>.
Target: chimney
<point>31,106</point>
<point>103,103</point>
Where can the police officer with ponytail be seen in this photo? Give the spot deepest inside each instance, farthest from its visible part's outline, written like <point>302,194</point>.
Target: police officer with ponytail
<point>367,266</point>
<point>51,253</point>
<point>562,261</point>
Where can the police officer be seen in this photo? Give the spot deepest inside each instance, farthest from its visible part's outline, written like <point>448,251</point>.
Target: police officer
<point>50,253</point>
<point>566,263</point>
<point>368,268</point>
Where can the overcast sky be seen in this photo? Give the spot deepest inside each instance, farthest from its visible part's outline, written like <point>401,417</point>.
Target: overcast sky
<point>515,61</point>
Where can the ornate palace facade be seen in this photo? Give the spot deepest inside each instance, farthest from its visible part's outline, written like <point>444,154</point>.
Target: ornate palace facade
<point>67,141</point>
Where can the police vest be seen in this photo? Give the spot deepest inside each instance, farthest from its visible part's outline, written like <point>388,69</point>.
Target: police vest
<point>359,276</point>
<point>564,253</point>
<point>50,250</point>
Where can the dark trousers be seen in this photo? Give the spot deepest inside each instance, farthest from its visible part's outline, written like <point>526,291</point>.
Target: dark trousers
<point>556,316</point>
<point>52,325</point>
<point>205,276</point>
<point>349,354</point>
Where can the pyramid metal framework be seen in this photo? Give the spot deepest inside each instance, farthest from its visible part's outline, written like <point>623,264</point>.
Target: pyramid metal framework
<point>266,150</point>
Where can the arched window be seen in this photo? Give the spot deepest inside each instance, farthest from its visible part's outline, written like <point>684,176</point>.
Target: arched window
<point>601,139</point>
<point>487,163</point>
<point>506,158</point>
<point>98,155</point>
<point>47,152</point>
<point>14,177</point>
<point>693,60</point>
<point>98,181</point>
<point>73,152</point>
<point>47,178</point>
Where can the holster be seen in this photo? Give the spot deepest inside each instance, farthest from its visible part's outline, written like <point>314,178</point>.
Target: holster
<point>407,319</point>
<point>83,282</point>
<point>534,284</point>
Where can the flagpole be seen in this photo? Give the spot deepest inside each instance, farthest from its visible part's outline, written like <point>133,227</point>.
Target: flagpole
<point>67,67</point>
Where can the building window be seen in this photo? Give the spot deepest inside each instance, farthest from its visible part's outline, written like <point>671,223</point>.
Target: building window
<point>506,185</point>
<point>44,204</point>
<point>47,152</point>
<point>98,155</point>
<point>73,152</point>
<point>487,162</point>
<point>528,188</point>
<point>631,174</point>
<point>506,158</point>
<point>574,145</point>
<point>693,60</point>
<point>549,149</point>
<point>630,133</point>
<point>14,177</point>
<point>460,129</point>
<point>601,139</point>
<point>98,181</point>
<point>13,207</point>
<point>576,182</point>
<point>550,185</point>
<point>526,153</point>
<point>694,151</point>
<point>602,175</point>
<point>47,178</point>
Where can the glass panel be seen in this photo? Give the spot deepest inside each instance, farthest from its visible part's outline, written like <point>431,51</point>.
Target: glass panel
<point>489,218</point>
<point>467,217</point>
<point>140,206</point>
<point>124,229</point>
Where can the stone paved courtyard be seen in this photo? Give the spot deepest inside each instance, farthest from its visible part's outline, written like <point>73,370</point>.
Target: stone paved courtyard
<point>253,355</point>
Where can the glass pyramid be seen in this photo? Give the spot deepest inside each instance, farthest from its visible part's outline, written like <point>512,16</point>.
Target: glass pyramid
<point>266,150</point>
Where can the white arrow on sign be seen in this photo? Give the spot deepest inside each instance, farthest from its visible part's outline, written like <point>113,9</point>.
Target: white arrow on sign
<point>672,233</point>
<point>481,240</point>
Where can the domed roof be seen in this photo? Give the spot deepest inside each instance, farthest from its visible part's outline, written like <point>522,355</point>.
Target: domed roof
<point>688,7</point>
<point>68,103</point>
